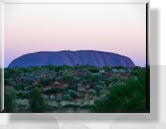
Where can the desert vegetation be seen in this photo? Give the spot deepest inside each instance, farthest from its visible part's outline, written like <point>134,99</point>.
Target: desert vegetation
<point>75,89</point>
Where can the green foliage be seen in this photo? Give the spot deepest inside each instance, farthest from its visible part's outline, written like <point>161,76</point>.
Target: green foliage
<point>62,68</point>
<point>9,72</point>
<point>90,78</point>
<point>96,78</point>
<point>92,92</point>
<point>119,67</point>
<point>71,80</point>
<point>52,91</point>
<point>114,91</point>
<point>111,80</point>
<point>36,100</point>
<point>7,82</point>
<point>9,99</point>
<point>136,70</point>
<point>78,67</point>
<point>51,67</point>
<point>93,69</point>
<point>98,87</point>
<point>127,97</point>
<point>107,69</point>
<point>46,81</point>
<point>21,86</point>
<point>87,77</point>
<point>22,95</point>
<point>72,93</point>
<point>67,97</point>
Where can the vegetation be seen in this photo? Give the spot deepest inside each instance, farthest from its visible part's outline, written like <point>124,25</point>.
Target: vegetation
<point>36,101</point>
<point>127,97</point>
<point>75,89</point>
<point>10,99</point>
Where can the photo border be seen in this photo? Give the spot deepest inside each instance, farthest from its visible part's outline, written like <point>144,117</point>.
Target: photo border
<point>2,4</point>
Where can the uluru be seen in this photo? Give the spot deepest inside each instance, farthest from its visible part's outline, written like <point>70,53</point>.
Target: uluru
<point>72,58</point>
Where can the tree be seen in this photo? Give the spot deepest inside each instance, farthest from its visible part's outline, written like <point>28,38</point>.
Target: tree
<point>36,100</point>
<point>10,99</point>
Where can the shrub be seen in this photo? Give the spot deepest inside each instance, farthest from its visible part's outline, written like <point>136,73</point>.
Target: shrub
<point>28,81</point>
<point>46,81</point>
<point>72,93</point>
<point>98,87</point>
<point>127,97</point>
<point>22,95</point>
<point>59,98</point>
<point>62,68</point>
<point>51,67</point>
<point>96,78</point>
<point>93,69</point>
<point>112,79</point>
<point>7,82</point>
<point>52,91</point>
<point>10,99</point>
<point>70,79</point>
<point>11,72</point>
<point>67,97</point>
<point>20,86</point>
<point>107,69</point>
<point>36,101</point>
<point>92,92</point>
<point>78,67</point>
<point>87,77</point>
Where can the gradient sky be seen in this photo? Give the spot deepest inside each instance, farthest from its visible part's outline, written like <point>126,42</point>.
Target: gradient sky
<point>118,28</point>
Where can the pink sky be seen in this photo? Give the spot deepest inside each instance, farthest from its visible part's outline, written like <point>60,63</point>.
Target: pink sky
<point>114,28</point>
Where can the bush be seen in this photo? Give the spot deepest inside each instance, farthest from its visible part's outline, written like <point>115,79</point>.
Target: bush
<point>9,99</point>
<point>22,95</point>
<point>113,79</point>
<point>93,69</point>
<point>46,81</point>
<point>107,69</point>
<point>10,72</point>
<point>36,101</point>
<point>98,87</point>
<point>61,68</point>
<point>7,82</point>
<point>52,91</point>
<point>51,67</point>
<point>119,67</point>
<point>70,79</point>
<point>67,97</point>
<point>89,78</point>
<point>20,86</point>
<point>92,92</point>
<point>127,97</point>
<point>78,67</point>
<point>73,93</point>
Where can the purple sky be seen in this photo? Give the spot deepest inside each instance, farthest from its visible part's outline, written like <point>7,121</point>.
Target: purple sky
<point>114,28</point>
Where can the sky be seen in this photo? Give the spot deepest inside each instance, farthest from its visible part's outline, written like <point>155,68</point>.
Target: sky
<point>117,28</point>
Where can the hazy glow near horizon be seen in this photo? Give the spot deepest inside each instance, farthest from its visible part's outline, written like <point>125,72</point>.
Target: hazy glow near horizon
<point>118,28</point>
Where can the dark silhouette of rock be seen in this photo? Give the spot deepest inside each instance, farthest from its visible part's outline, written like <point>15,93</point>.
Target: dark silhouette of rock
<point>72,58</point>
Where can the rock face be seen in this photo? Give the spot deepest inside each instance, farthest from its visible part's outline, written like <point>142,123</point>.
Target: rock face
<point>72,58</point>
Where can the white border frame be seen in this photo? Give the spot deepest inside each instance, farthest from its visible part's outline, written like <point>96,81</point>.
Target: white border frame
<point>74,1</point>
<point>2,55</point>
<point>74,116</point>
